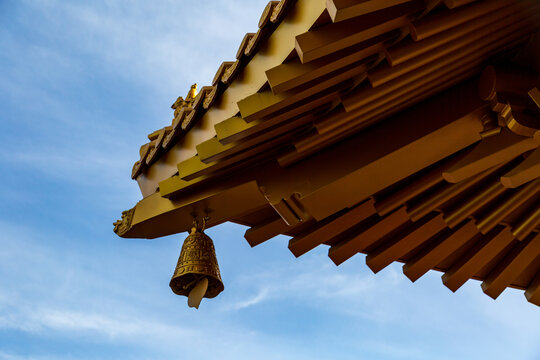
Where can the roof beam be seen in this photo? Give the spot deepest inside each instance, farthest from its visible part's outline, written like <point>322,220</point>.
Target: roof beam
<point>489,220</point>
<point>330,38</point>
<point>455,3</point>
<point>477,257</point>
<point>236,128</point>
<point>418,186</point>
<point>387,161</point>
<point>438,251</point>
<point>532,294</point>
<point>489,152</point>
<point>389,252</point>
<point>265,231</point>
<point>429,26</point>
<point>155,216</point>
<point>510,268</point>
<point>478,44</point>
<point>340,10</point>
<point>408,48</point>
<point>527,170</point>
<point>474,203</point>
<point>342,125</point>
<point>327,230</point>
<point>294,73</point>
<point>264,104</point>
<point>355,243</point>
<point>527,224</point>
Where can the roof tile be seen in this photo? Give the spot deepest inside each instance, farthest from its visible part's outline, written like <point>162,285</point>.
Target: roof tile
<point>267,13</point>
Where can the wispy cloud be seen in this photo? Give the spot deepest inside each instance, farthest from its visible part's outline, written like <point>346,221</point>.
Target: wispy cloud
<point>107,323</point>
<point>260,296</point>
<point>328,287</point>
<point>9,356</point>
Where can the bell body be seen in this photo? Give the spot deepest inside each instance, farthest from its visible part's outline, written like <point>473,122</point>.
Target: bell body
<point>197,261</point>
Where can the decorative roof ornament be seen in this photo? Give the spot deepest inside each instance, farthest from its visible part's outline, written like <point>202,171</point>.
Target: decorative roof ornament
<point>124,224</point>
<point>192,93</point>
<point>180,103</point>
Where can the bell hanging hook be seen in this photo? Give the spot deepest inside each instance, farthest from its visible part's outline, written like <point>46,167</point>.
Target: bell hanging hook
<point>196,225</point>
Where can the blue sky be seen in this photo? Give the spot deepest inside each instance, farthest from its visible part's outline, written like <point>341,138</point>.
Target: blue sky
<point>81,84</point>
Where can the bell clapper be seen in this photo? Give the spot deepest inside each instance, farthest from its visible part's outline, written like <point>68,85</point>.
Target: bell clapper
<point>197,293</point>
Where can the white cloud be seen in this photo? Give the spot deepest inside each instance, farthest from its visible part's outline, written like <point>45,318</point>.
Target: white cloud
<point>109,323</point>
<point>191,339</point>
<point>261,296</point>
<point>329,288</point>
<point>8,356</point>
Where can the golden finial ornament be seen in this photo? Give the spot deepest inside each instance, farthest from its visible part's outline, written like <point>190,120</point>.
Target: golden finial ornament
<point>197,272</point>
<point>192,93</point>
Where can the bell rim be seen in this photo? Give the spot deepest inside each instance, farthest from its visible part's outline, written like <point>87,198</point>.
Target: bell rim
<point>217,287</point>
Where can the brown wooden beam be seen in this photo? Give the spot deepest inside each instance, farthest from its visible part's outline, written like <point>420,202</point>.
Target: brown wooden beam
<point>488,153</point>
<point>351,124</point>
<point>334,37</point>
<point>265,231</point>
<point>264,104</point>
<point>408,48</point>
<point>483,41</point>
<point>532,293</point>
<point>500,212</point>
<point>534,94</point>
<point>429,26</point>
<point>456,3</point>
<point>438,251</point>
<point>391,166</point>
<point>447,193</point>
<point>236,129</point>
<point>528,223</point>
<point>396,248</point>
<point>510,268</point>
<point>477,257</point>
<point>527,170</point>
<point>156,216</point>
<point>397,198</point>
<point>322,233</point>
<point>294,73</point>
<point>358,242</point>
<point>473,203</point>
<point>340,10</point>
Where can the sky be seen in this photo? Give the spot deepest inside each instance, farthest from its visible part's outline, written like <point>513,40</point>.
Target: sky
<point>81,85</point>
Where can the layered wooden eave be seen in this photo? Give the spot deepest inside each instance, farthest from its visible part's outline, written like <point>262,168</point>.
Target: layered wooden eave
<point>269,46</point>
<point>381,129</point>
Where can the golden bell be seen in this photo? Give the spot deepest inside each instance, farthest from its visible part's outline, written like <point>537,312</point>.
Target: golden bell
<point>197,271</point>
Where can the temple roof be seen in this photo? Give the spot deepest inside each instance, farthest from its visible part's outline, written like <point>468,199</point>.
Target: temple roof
<point>405,130</point>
